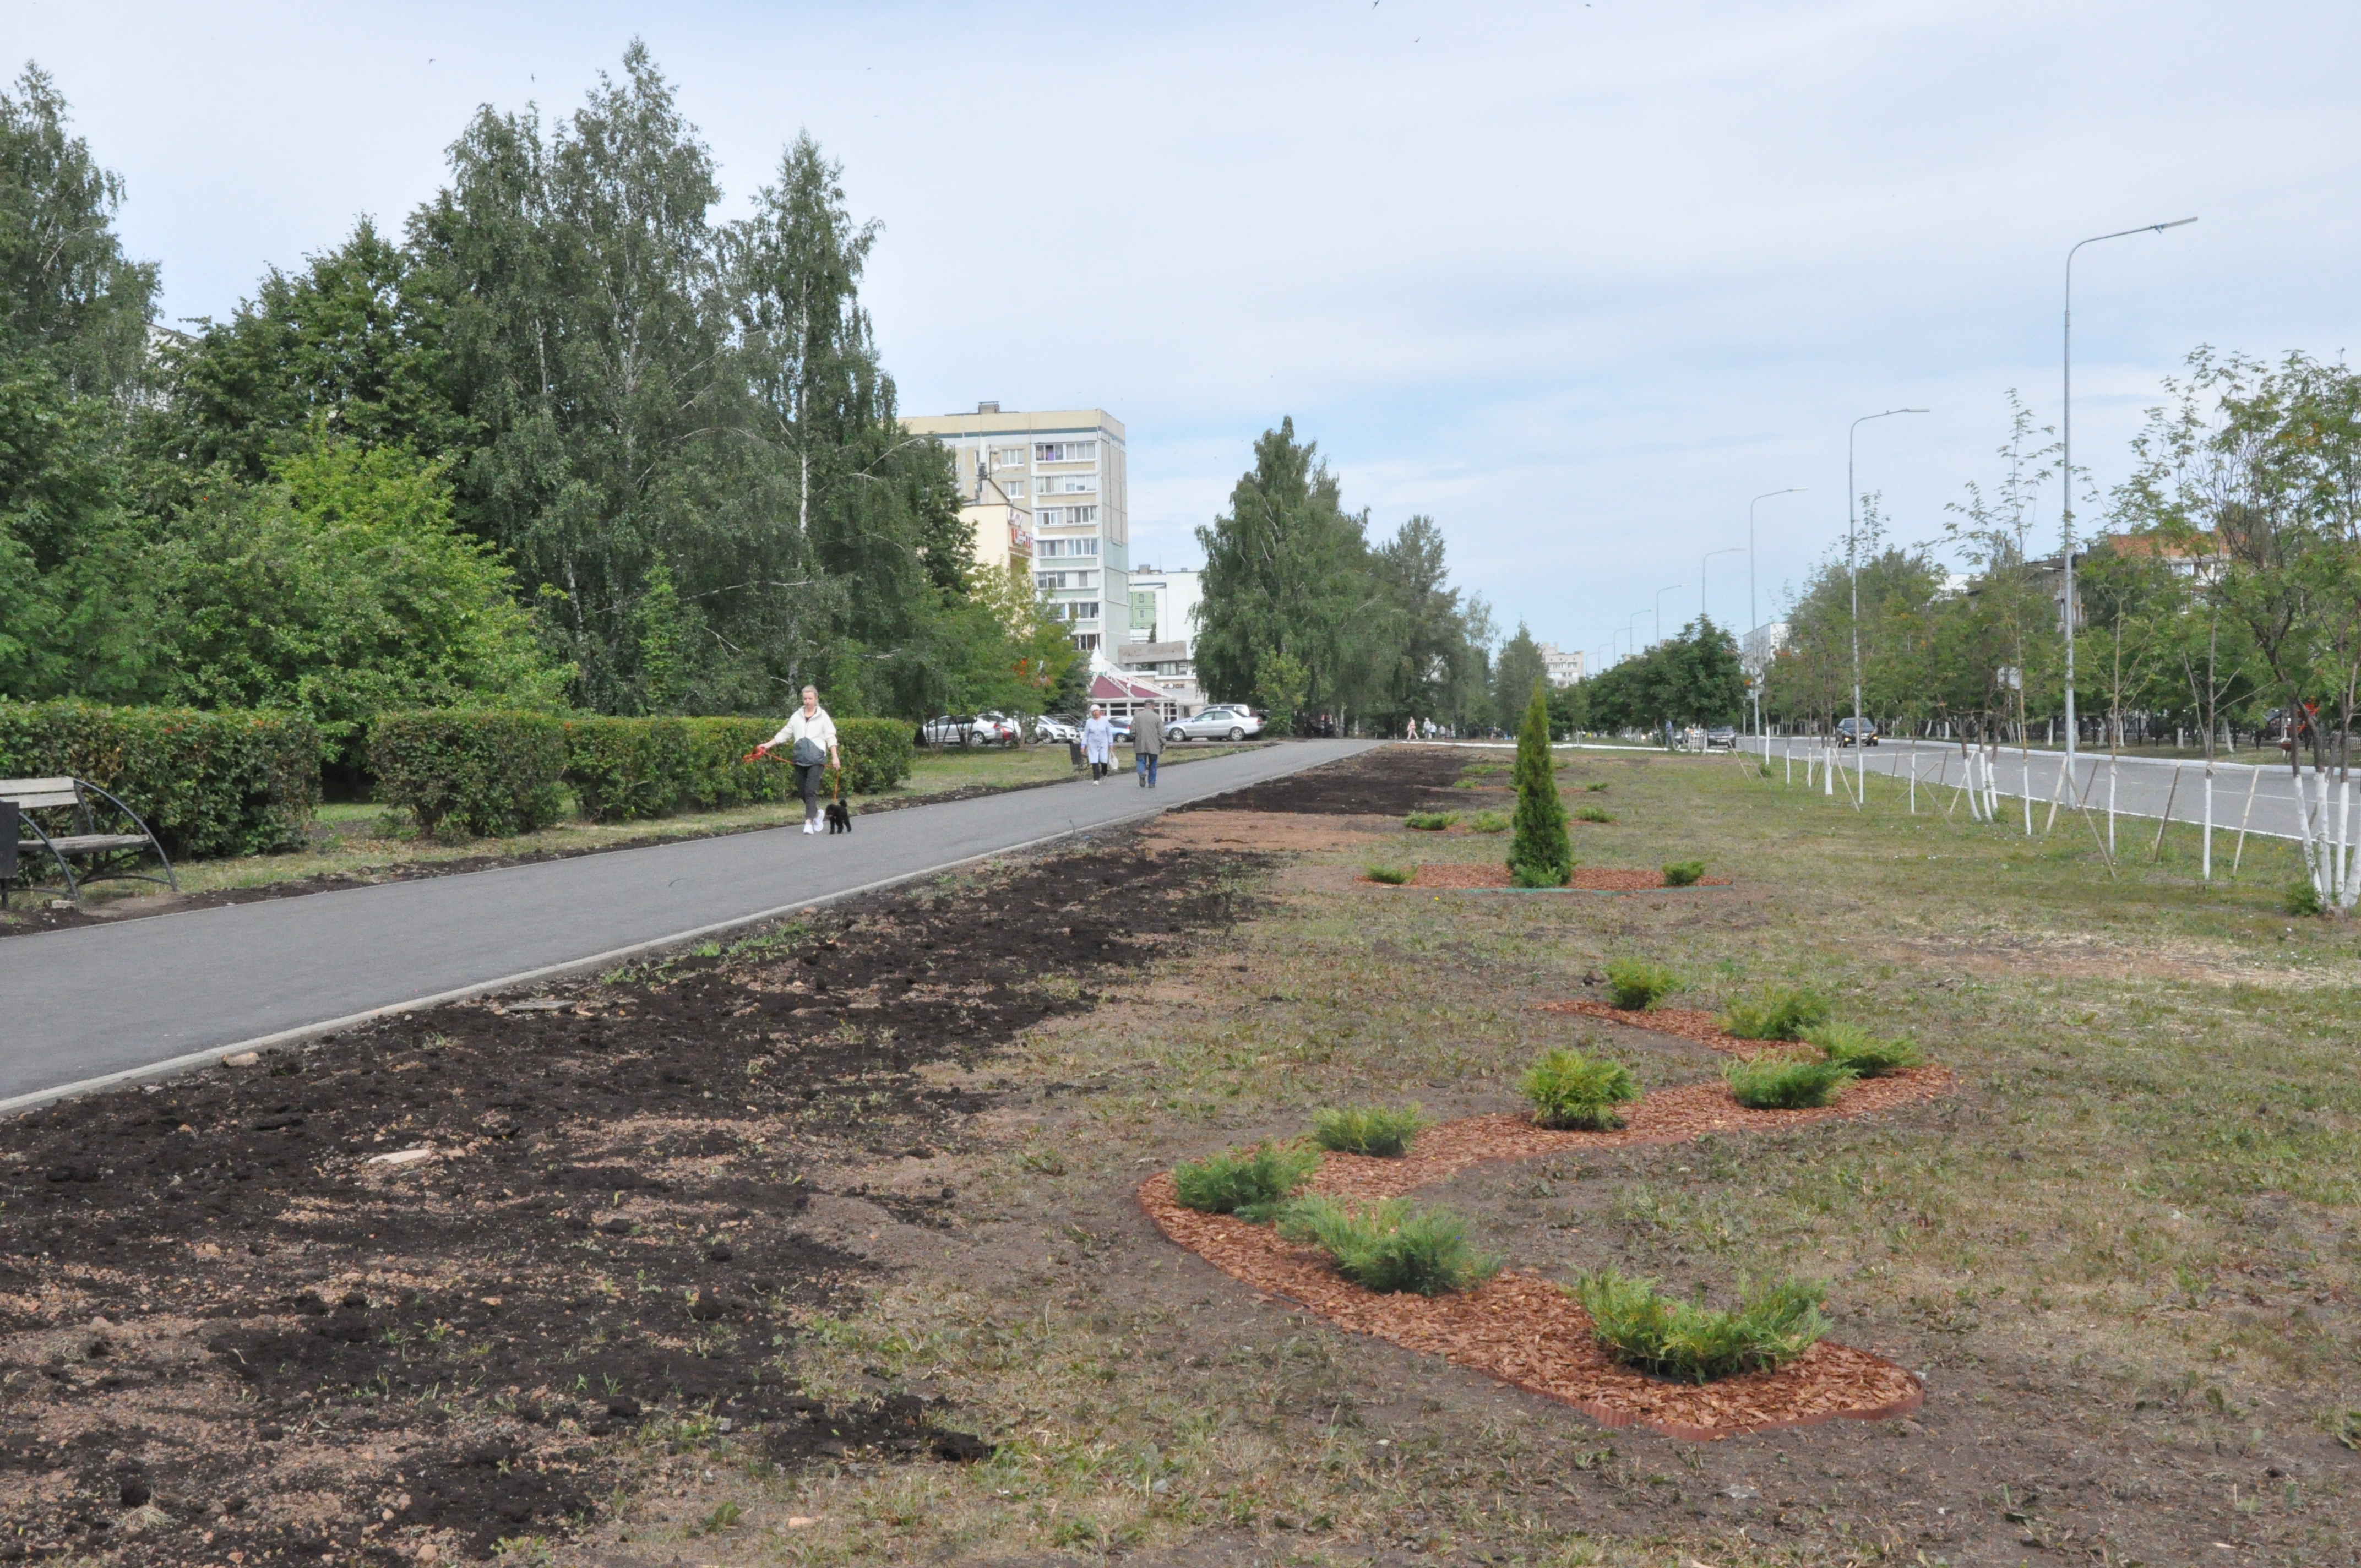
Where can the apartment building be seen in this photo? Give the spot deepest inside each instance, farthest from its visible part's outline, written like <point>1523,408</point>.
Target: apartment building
<point>1069,465</point>
<point>1561,668</point>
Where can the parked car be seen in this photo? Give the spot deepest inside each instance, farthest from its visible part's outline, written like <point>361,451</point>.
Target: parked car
<point>999,729</point>
<point>1053,731</point>
<point>969,729</point>
<point>1856,731</point>
<point>1722,738</point>
<point>1226,723</point>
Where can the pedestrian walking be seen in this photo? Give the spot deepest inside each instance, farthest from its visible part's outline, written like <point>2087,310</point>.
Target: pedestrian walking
<point>1098,743</point>
<point>810,734</point>
<point>1147,746</point>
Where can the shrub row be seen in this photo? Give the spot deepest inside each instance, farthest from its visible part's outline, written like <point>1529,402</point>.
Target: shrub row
<point>490,774</point>
<point>206,783</point>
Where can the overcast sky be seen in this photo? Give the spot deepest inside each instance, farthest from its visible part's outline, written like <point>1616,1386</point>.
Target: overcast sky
<point>1576,279</point>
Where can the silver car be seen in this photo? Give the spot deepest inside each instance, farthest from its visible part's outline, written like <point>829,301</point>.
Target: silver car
<point>1215,724</point>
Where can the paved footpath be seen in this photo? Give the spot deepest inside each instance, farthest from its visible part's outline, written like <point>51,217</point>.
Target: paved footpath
<point>151,994</point>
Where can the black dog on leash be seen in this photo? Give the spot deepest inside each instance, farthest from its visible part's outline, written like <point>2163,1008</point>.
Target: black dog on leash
<point>840,816</point>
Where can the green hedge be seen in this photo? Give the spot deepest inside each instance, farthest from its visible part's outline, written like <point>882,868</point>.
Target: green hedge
<point>206,783</point>
<point>472,772</point>
<point>624,770</point>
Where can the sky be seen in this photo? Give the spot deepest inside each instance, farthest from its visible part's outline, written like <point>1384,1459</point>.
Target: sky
<point>1576,280</point>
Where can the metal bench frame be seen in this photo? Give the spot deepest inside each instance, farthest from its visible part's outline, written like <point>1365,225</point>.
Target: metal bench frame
<point>112,857</point>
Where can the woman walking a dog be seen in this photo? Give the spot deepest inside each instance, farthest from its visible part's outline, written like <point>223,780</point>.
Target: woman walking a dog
<point>810,735</point>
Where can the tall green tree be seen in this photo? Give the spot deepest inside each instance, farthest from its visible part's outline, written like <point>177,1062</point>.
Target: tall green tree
<point>1287,578</point>
<point>1517,669</point>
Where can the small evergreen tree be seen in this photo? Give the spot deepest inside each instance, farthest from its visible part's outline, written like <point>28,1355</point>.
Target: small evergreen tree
<point>1540,855</point>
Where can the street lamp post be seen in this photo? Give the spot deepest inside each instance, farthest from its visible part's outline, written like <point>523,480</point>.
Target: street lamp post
<point>1852,570</point>
<point>1659,611</point>
<point>1752,613</point>
<point>2067,445</point>
<point>1733,550</point>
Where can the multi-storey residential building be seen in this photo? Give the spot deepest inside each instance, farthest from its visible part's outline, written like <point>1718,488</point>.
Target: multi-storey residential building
<point>1069,466</point>
<point>1562,669</point>
<point>1164,606</point>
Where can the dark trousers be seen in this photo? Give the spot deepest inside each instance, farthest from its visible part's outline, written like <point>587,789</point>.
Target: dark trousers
<point>807,786</point>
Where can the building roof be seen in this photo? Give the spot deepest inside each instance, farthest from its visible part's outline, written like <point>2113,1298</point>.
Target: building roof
<point>1109,687</point>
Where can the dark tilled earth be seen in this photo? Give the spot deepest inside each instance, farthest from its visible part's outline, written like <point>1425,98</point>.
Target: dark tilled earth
<point>228,1328</point>
<point>1392,781</point>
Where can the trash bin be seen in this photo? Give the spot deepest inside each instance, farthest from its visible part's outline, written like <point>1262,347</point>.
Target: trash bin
<point>1074,751</point>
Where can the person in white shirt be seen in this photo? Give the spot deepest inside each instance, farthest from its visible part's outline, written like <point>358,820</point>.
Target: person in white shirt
<point>810,736</point>
<point>1098,743</point>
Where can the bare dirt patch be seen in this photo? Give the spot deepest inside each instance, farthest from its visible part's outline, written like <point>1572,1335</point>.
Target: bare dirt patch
<point>1392,780</point>
<point>226,1325</point>
<point>1586,879</point>
<point>1266,831</point>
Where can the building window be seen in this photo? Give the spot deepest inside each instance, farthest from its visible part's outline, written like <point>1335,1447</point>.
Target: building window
<point>1087,642</point>
<point>1008,457</point>
<point>1066,484</point>
<point>1065,451</point>
<point>1069,546</point>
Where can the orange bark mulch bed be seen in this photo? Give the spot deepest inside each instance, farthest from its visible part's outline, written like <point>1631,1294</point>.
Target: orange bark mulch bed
<point>1586,879</point>
<point>1688,1023</point>
<point>1527,1331</point>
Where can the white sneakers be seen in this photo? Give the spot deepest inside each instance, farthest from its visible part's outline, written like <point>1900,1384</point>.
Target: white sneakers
<point>809,827</point>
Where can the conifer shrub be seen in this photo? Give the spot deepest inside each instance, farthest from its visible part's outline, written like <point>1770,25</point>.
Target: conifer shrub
<point>1390,1246</point>
<point>1431,821</point>
<point>1592,813</point>
<point>1488,822</point>
<point>1857,1049</point>
<point>1573,1092</point>
<point>1393,876</point>
<point>1786,1084</point>
<point>1641,1327</point>
<point>1636,984</point>
<point>1386,1132</point>
<point>1596,786</point>
<point>1540,853</point>
<point>1780,1015</point>
<point>1683,873</point>
<point>1252,1183</point>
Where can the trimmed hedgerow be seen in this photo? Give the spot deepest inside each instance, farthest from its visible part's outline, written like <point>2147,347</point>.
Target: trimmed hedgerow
<point>1683,873</point>
<point>1635,984</point>
<point>1384,1132</point>
<point>1431,821</point>
<point>1782,1014</point>
<point>1573,1092</point>
<point>1857,1049</point>
<point>1641,1327</point>
<point>471,772</point>
<point>1785,1083</point>
<point>1393,876</point>
<point>624,770</point>
<point>1250,1183</point>
<point>1390,1246</point>
<point>228,783</point>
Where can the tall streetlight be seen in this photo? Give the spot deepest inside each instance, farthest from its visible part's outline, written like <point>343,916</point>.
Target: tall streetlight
<point>2067,426</point>
<point>1852,570</point>
<point>1733,550</point>
<point>1751,611</point>
<point>1659,611</point>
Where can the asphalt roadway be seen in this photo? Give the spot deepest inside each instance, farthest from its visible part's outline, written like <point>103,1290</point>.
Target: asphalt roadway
<point>2144,786</point>
<point>109,1003</point>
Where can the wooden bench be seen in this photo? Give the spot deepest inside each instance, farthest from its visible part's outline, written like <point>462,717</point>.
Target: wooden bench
<point>73,808</point>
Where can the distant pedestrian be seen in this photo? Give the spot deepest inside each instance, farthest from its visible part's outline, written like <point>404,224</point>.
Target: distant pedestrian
<point>1429,729</point>
<point>1098,743</point>
<point>810,735</point>
<point>1147,746</point>
<point>1409,730</point>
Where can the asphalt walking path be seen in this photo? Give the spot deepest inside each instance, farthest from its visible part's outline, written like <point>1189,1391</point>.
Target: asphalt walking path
<point>113,1002</point>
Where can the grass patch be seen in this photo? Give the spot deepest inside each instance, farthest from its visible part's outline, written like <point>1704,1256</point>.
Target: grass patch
<point>2301,898</point>
<point>1384,1132</point>
<point>1573,1092</point>
<point>1636,984</point>
<point>1391,1246</point>
<point>1592,813</point>
<point>1490,822</point>
<point>1641,1327</point>
<point>1431,821</point>
<point>1783,1083</point>
<point>1250,1183</point>
<point>1857,1049</point>
<point>1780,1015</point>
<point>1596,786</point>
<point>1393,876</point>
<point>1683,873</point>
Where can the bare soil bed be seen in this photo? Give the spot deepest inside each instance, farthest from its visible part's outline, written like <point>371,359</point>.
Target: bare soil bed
<point>1586,879</point>
<point>229,1333</point>
<point>1391,781</point>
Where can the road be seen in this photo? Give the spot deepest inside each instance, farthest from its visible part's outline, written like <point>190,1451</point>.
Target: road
<point>150,996</point>
<point>2144,786</point>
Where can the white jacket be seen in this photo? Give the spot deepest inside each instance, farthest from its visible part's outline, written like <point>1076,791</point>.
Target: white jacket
<point>1098,740</point>
<point>819,727</point>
